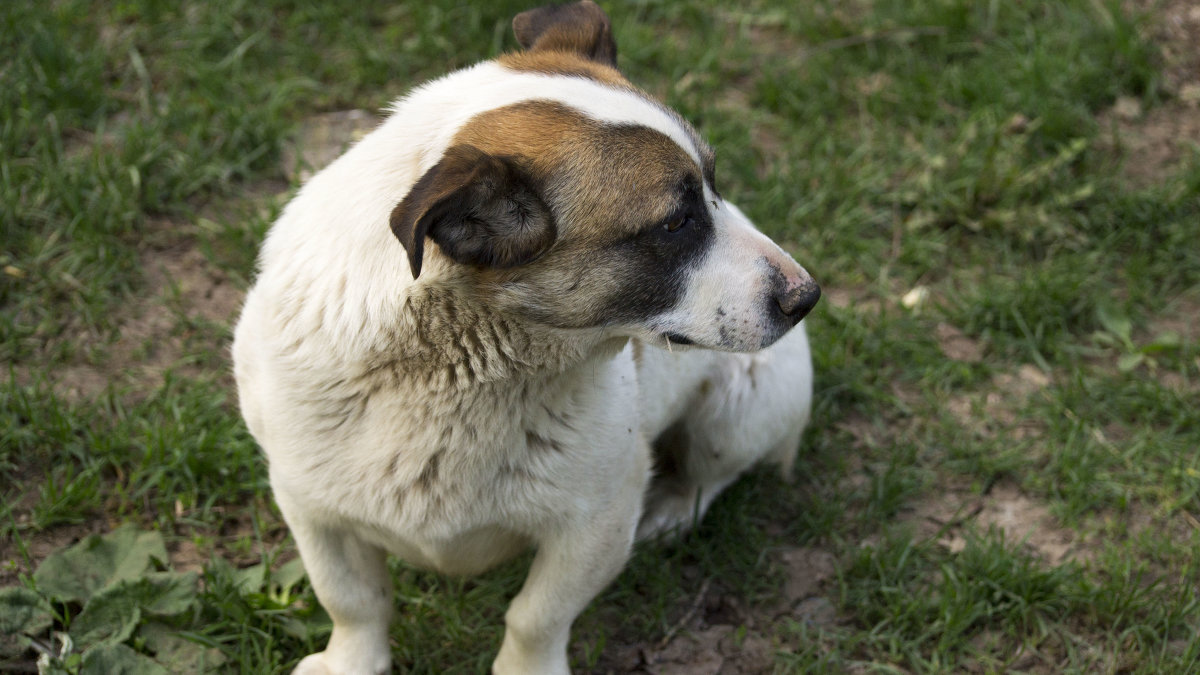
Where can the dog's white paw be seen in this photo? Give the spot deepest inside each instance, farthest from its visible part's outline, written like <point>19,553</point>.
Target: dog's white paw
<point>317,664</point>
<point>509,663</point>
<point>313,664</point>
<point>668,515</point>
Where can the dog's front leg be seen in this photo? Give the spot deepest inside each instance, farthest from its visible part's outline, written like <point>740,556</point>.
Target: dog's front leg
<point>351,580</point>
<point>569,570</point>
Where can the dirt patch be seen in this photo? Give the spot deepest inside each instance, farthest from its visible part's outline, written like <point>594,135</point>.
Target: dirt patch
<point>22,558</point>
<point>1175,27</point>
<point>246,537</point>
<point>952,514</point>
<point>995,409</point>
<point>188,293</point>
<point>806,571</point>
<point>322,139</point>
<point>1156,143</point>
<point>957,346</point>
<point>715,650</point>
<point>859,300</point>
<point>720,649</point>
<point>189,298</point>
<point>1182,317</point>
<point>718,633</point>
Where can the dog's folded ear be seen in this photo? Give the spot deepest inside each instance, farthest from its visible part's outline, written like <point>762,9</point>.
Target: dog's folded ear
<point>580,27</point>
<point>478,208</point>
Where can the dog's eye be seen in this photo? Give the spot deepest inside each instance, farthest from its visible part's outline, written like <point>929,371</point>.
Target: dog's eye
<point>677,223</point>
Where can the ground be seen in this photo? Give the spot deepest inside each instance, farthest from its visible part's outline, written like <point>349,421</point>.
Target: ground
<point>1002,471</point>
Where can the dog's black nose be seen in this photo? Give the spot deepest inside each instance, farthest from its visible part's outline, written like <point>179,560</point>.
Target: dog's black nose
<point>798,301</point>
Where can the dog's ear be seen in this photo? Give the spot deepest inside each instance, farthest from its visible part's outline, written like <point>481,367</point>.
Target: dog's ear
<point>580,27</point>
<point>478,208</point>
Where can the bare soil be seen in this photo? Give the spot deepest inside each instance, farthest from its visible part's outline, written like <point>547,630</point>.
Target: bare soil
<point>719,634</point>
<point>1153,144</point>
<point>953,515</point>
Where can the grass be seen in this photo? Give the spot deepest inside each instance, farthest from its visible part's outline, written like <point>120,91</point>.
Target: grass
<point>953,146</point>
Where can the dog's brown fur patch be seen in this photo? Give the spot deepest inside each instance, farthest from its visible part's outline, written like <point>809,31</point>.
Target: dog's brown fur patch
<point>574,158</point>
<point>582,28</point>
<point>564,63</point>
<point>609,186</point>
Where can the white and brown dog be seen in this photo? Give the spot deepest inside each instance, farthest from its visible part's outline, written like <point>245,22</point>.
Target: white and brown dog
<point>468,331</point>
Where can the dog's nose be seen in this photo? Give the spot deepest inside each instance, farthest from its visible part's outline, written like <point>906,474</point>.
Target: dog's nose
<point>796,302</point>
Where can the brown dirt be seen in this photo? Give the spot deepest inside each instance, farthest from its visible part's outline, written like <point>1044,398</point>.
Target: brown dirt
<point>1181,317</point>
<point>322,139</point>
<point>953,513</point>
<point>994,410</point>
<point>957,346</point>
<point>1156,143</point>
<point>719,635</point>
<point>18,561</point>
<point>186,291</point>
<point>860,301</point>
<point>240,541</point>
<point>1175,26</point>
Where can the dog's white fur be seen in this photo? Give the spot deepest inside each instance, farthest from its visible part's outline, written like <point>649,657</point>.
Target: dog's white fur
<point>333,291</point>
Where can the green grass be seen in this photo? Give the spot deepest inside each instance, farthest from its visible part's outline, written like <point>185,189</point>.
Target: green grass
<point>951,145</point>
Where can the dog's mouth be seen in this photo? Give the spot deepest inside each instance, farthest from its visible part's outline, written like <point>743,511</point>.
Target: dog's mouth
<point>677,339</point>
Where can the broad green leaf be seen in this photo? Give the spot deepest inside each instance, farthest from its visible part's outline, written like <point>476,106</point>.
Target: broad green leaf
<point>1117,324</point>
<point>1163,342</point>
<point>170,593</point>
<point>118,660</point>
<point>1128,362</point>
<point>109,617</point>
<point>22,612</point>
<point>178,654</point>
<point>306,629</point>
<point>77,573</point>
<point>288,575</point>
<point>251,579</point>
<point>112,614</point>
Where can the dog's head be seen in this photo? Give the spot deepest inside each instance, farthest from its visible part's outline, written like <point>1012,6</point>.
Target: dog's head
<point>570,197</point>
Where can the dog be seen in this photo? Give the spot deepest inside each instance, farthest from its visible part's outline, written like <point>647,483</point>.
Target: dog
<point>517,314</point>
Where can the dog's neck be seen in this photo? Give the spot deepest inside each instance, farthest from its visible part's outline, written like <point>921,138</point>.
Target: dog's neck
<point>449,335</point>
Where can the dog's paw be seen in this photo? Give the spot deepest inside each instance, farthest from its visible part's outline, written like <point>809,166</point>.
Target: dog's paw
<point>317,664</point>
<point>668,515</point>
<point>313,664</point>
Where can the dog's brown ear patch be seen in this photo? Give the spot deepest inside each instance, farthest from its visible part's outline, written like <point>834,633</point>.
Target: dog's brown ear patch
<point>580,27</point>
<point>478,208</point>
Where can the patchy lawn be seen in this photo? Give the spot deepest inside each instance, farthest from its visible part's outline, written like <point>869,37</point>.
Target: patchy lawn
<point>1001,201</point>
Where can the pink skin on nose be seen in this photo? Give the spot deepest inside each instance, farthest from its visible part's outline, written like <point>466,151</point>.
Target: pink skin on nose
<point>777,259</point>
<point>793,289</point>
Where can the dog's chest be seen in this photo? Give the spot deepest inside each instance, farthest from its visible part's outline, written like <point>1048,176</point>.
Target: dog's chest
<point>431,465</point>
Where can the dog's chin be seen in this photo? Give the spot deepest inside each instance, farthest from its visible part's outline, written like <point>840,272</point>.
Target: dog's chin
<point>740,341</point>
<point>772,336</point>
